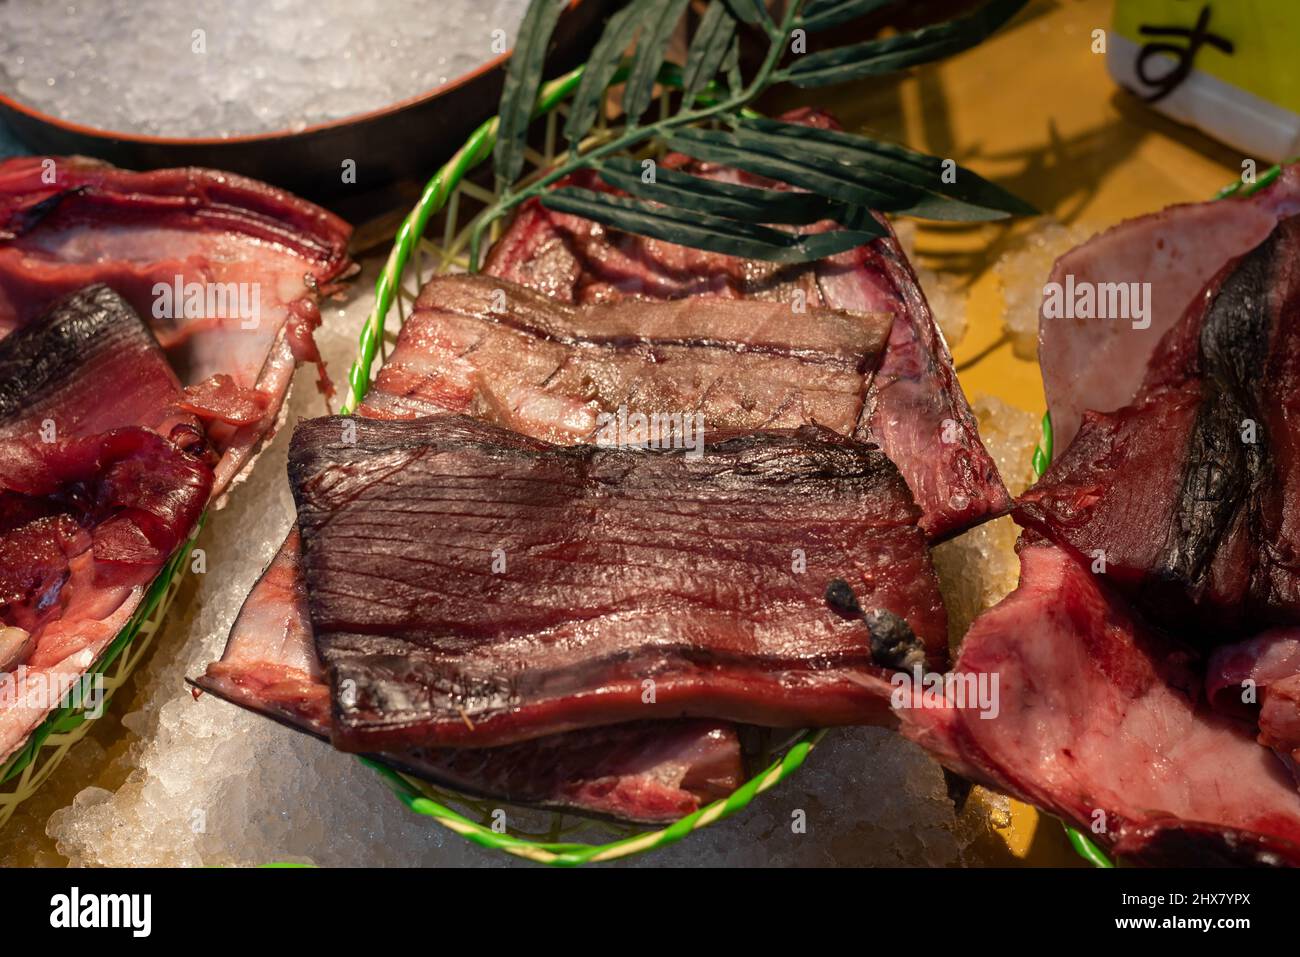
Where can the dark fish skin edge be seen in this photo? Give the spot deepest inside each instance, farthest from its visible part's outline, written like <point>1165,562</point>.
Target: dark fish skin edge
<point>40,353</point>
<point>1100,364</point>
<point>1223,474</point>
<point>1186,844</point>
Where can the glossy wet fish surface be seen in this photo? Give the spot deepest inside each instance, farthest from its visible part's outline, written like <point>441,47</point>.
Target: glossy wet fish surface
<point>706,577</point>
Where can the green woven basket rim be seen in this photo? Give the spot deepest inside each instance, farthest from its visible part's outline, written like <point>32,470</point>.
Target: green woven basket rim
<point>561,854</point>
<point>437,193</point>
<point>71,716</point>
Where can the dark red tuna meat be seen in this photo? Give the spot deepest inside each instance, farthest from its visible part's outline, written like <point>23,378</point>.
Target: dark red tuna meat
<point>227,271</point>
<point>101,479</point>
<point>508,355</point>
<point>648,771</point>
<point>471,586</point>
<point>915,408</point>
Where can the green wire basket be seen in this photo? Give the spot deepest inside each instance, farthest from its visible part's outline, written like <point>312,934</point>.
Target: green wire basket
<point>414,258</point>
<point>31,765</point>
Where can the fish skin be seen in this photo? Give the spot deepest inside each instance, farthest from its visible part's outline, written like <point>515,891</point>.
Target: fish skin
<point>488,659</point>
<point>916,410</point>
<point>53,370</point>
<point>1197,524</point>
<point>98,224</point>
<point>270,664</point>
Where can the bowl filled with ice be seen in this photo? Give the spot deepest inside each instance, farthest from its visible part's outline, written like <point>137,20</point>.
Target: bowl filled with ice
<point>317,96</point>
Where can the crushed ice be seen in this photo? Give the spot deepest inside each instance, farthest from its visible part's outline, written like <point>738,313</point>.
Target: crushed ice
<point>1023,269</point>
<point>233,67</point>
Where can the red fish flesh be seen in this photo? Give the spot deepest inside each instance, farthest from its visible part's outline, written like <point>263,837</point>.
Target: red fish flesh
<point>664,769</point>
<point>227,271</point>
<point>647,771</point>
<point>1187,497</point>
<point>1098,363</point>
<point>98,487</point>
<point>1102,721</point>
<point>593,598</point>
<point>915,408</point>
<point>508,355</point>
<point>650,772</point>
